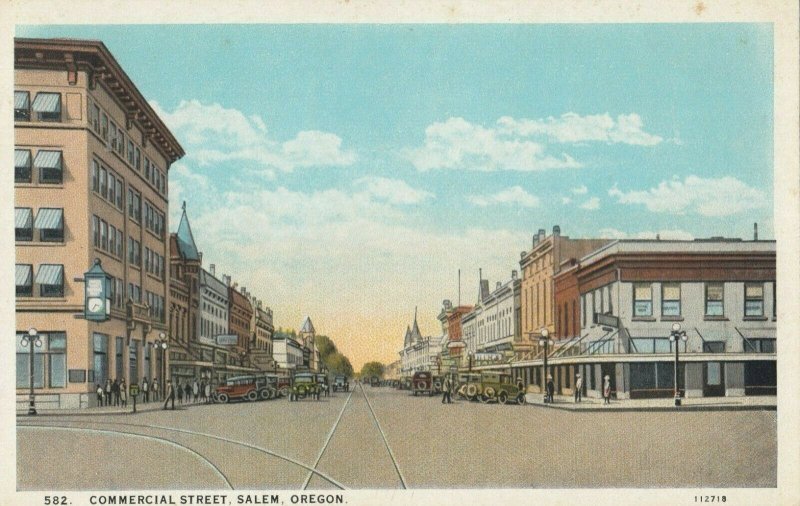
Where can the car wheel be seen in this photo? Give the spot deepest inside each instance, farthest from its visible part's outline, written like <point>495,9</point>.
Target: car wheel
<point>521,399</point>
<point>503,397</point>
<point>284,391</point>
<point>471,391</point>
<point>485,399</point>
<point>489,392</point>
<point>251,396</point>
<point>223,398</point>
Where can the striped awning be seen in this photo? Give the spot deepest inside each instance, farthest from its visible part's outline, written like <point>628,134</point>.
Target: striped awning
<point>49,274</point>
<point>23,275</point>
<point>48,159</point>
<point>22,100</point>
<point>50,219</point>
<point>47,102</point>
<point>22,158</point>
<point>23,217</point>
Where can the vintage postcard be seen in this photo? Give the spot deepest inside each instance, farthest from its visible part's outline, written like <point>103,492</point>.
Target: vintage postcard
<point>422,253</point>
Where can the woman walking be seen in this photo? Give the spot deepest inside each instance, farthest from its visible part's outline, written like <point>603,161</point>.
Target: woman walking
<point>123,393</point>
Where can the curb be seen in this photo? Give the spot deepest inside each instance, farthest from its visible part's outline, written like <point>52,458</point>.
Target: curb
<point>674,409</point>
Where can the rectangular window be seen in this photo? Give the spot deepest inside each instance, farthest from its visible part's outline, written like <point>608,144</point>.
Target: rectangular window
<point>50,223</point>
<point>47,106</point>
<point>103,187</point>
<point>50,278</point>
<point>96,118</point>
<point>57,359</point>
<point>112,239</point>
<point>119,243</point>
<point>754,299</point>
<point>22,166</point>
<point>119,193</point>
<point>22,106</point>
<point>95,176</point>
<point>715,297</point>
<point>24,280</point>
<point>112,185</point>
<point>96,231</point>
<point>131,153</point>
<point>137,159</point>
<point>131,254</point>
<point>670,299</point>
<point>23,224</point>
<point>714,347</point>
<point>103,235</point>
<point>50,165</point>
<point>100,358</point>
<point>642,300</point>
<point>114,140</point>
<point>104,126</point>
<point>121,142</point>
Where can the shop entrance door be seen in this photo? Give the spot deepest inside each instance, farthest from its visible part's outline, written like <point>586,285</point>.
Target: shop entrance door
<point>713,379</point>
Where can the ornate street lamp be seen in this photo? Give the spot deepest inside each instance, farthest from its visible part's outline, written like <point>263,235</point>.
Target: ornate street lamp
<point>31,339</point>
<point>676,336</point>
<point>161,346</point>
<point>546,342</point>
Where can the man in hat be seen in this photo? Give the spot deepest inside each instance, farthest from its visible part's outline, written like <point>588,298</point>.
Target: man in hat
<point>551,388</point>
<point>578,387</point>
<point>169,395</point>
<point>607,390</point>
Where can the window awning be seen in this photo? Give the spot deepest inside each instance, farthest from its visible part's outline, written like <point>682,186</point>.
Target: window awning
<point>50,275</point>
<point>48,159</point>
<point>23,217</point>
<point>22,158</point>
<point>757,333</point>
<point>23,275</point>
<point>50,219</point>
<point>22,100</point>
<point>47,102</point>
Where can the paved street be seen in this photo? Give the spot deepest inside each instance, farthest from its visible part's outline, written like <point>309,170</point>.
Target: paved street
<point>384,438</point>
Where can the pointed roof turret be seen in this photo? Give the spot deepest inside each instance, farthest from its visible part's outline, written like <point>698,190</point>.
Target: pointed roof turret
<point>308,327</point>
<point>186,243</point>
<point>407,340</point>
<point>415,333</point>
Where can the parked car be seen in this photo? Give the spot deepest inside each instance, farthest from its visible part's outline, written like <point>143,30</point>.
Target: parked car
<point>249,387</point>
<point>422,382</point>
<point>405,383</point>
<point>340,383</point>
<point>469,386</point>
<point>304,385</point>
<point>374,381</point>
<point>500,387</point>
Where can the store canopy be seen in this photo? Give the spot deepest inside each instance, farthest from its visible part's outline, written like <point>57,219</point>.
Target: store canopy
<point>50,274</point>
<point>50,219</point>
<point>47,102</point>
<point>24,275</point>
<point>23,217</point>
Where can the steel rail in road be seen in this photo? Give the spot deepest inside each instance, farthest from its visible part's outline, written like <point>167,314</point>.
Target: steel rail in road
<point>312,470</point>
<point>328,440</point>
<point>383,435</point>
<point>134,435</point>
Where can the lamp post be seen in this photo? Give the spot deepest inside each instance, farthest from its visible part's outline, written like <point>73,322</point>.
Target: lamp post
<point>546,342</point>
<point>469,356</point>
<point>676,336</point>
<point>161,347</point>
<point>31,339</point>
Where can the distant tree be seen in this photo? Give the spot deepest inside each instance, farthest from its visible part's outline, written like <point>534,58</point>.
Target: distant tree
<point>326,346</point>
<point>339,364</point>
<point>372,369</point>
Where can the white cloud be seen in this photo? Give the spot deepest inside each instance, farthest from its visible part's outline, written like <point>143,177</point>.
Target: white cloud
<point>674,234</point>
<point>514,195</point>
<point>459,144</point>
<point>696,195</point>
<point>213,134</point>
<point>566,200</point>
<point>393,191</point>
<point>580,190</point>
<point>574,128</point>
<point>592,204</point>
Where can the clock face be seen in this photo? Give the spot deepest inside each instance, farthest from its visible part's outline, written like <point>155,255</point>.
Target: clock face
<point>95,305</point>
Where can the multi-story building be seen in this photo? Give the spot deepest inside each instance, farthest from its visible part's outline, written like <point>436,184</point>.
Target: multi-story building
<point>419,353</point>
<point>452,345</point>
<point>629,294</point>
<point>261,347</point>
<point>306,338</point>
<point>90,172</point>
<point>240,315</point>
<point>539,266</point>
<point>288,353</point>
<point>498,322</point>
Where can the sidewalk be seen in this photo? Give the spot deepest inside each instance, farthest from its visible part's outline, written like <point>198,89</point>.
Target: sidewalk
<point>105,410</point>
<point>752,403</point>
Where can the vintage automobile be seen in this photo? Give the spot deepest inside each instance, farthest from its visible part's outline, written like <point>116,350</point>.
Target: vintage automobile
<point>500,387</point>
<point>304,385</point>
<point>340,383</point>
<point>405,383</point>
<point>422,383</point>
<point>249,387</point>
<point>374,381</point>
<point>469,386</point>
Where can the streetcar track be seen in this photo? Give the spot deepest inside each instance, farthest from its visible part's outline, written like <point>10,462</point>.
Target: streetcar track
<point>385,441</point>
<point>312,470</point>
<point>135,435</point>
<point>327,441</point>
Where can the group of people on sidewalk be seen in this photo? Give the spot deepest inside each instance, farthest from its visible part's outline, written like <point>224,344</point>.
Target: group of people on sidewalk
<point>193,391</point>
<point>114,393</point>
<point>578,390</point>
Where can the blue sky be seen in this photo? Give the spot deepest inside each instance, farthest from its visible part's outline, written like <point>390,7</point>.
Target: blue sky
<point>352,169</point>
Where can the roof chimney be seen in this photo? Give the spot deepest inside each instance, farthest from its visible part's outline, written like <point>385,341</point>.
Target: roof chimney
<point>213,269</point>
<point>556,231</point>
<point>658,237</point>
<point>755,231</point>
<point>522,254</point>
<point>535,240</point>
<point>498,285</point>
<point>514,274</point>
<point>541,234</point>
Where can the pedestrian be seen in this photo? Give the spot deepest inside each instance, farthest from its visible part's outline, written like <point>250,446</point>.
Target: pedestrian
<point>578,387</point>
<point>99,395</point>
<point>607,390</point>
<point>446,387</point>
<point>188,391</point>
<point>195,390</point>
<point>169,395</point>
<point>551,388</point>
<point>123,393</point>
<point>180,392</point>
<point>108,392</point>
<point>115,392</point>
<point>146,390</point>
<point>207,392</point>
<point>154,386</point>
